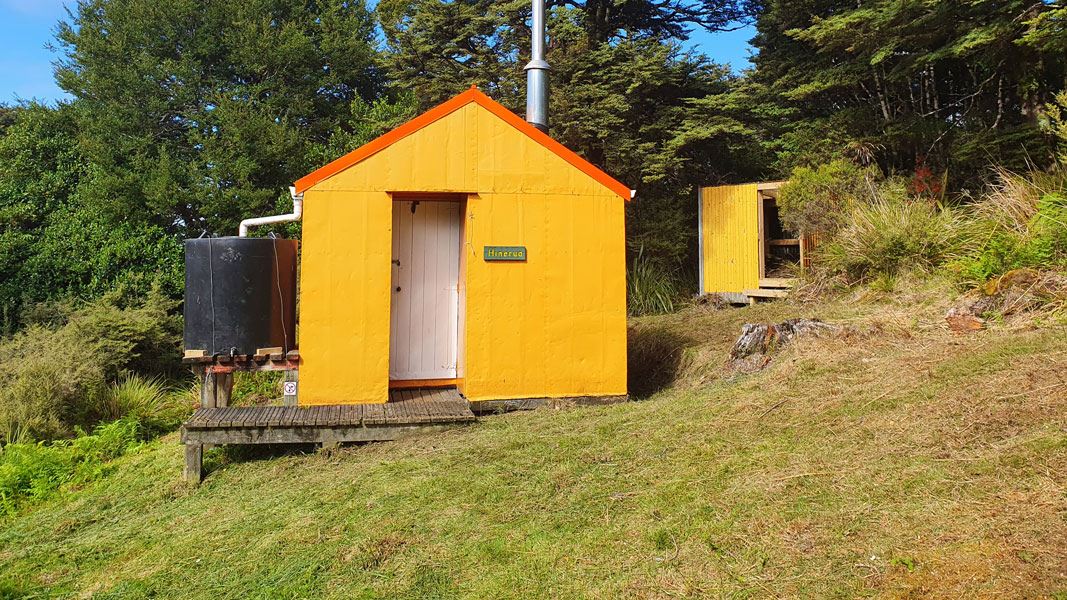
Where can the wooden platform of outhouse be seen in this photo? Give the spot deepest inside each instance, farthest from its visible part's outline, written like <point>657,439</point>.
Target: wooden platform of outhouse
<point>407,412</point>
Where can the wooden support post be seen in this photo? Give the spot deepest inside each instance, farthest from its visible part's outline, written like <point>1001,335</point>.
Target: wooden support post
<point>194,463</point>
<point>207,390</point>
<point>289,388</point>
<point>223,389</point>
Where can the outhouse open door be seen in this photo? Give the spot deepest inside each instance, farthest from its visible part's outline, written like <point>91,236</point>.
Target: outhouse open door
<point>424,314</point>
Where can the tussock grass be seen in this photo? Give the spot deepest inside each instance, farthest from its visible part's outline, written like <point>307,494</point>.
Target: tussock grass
<point>149,401</point>
<point>895,460</point>
<point>891,235</point>
<point>1021,222</point>
<point>651,288</point>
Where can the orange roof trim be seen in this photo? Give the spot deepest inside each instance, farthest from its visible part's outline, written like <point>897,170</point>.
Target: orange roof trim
<point>442,110</point>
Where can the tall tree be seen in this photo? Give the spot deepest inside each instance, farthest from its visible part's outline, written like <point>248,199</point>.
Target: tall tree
<point>952,83</point>
<point>622,88</point>
<point>197,114</point>
<point>54,245</point>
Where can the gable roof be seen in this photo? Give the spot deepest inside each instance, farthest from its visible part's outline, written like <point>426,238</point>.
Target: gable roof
<point>442,110</point>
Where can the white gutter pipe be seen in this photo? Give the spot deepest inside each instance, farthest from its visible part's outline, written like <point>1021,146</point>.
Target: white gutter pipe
<point>298,211</point>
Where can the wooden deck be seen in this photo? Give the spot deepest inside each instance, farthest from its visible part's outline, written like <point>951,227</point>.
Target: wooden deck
<point>407,412</point>
<point>406,407</point>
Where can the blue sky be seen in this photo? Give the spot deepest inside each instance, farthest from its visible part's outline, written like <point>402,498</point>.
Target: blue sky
<point>27,26</point>
<point>25,65</point>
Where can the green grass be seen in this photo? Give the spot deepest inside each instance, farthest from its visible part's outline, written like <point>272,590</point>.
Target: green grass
<point>903,461</point>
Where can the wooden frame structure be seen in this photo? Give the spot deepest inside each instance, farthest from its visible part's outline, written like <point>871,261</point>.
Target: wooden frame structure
<point>735,243</point>
<point>408,412</point>
<point>216,373</point>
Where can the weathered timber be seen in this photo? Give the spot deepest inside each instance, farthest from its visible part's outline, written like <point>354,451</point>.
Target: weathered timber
<point>501,406</point>
<point>411,412</point>
<point>194,462</point>
<point>759,341</point>
<point>312,435</point>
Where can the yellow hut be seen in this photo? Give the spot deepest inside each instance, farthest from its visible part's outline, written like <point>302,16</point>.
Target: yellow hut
<point>465,248</point>
<point>745,252</point>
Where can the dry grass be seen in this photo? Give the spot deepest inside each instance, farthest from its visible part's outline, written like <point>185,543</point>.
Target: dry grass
<point>895,460</point>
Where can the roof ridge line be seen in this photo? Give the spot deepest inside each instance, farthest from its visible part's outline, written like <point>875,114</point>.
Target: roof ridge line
<point>473,94</point>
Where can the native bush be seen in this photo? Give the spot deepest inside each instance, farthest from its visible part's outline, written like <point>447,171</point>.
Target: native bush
<point>1020,222</point>
<point>251,389</point>
<point>818,200</point>
<point>57,375</point>
<point>1056,123</point>
<point>651,288</point>
<point>31,472</point>
<point>894,233</point>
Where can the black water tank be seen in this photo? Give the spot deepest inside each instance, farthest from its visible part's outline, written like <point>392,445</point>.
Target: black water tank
<point>240,294</point>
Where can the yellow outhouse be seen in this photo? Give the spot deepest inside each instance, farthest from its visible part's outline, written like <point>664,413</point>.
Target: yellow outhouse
<point>745,252</point>
<point>465,248</point>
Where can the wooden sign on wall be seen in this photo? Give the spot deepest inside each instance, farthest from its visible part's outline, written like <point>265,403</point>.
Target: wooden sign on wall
<point>505,253</point>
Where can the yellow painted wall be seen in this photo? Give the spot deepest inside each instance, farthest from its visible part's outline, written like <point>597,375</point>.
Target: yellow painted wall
<point>553,326</point>
<point>346,249</point>
<point>730,222</point>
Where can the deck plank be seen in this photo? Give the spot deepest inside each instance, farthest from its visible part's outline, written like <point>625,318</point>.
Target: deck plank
<point>415,407</point>
<point>304,417</point>
<point>411,407</point>
<point>391,412</point>
<point>356,411</point>
<point>407,408</point>
<point>447,405</point>
<point>198,417</point>
<point>423,405</point>
<point>434,407</point>
<point>274,418</point>
<point>261,414</point>
<point>234,416</point>
<point>221,417</point>
<point>345,417</point>
<point>374,414</point>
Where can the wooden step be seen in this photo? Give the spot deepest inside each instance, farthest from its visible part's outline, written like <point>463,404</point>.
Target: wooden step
<point>766,293</point>
<point>777,282</point>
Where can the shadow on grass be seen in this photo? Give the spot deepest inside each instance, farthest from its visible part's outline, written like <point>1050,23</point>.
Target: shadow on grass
<point>653,359</point>
<point>218,458</point>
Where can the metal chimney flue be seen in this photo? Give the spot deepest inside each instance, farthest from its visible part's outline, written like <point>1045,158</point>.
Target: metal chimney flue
<point>537,71</point>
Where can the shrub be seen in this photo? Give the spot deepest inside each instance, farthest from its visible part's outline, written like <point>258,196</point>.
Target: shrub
<point>651,289</point>
<point>1021,222</point>
<point>251,389</point>
<point>1056,123</point>
<point>57,377</point>
<point>819,200</point>
<point>148,401</point>
<point>894,234</point>
<point>33,472</point>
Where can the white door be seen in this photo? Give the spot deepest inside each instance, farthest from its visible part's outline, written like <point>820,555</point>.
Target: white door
<point>425,296</point>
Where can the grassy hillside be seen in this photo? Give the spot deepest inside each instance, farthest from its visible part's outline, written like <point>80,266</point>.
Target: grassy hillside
<point>896,459</point>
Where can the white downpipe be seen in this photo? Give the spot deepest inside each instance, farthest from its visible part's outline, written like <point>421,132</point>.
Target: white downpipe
<point>298,211</point>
